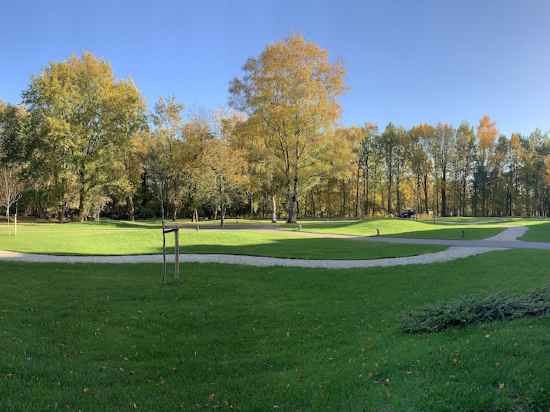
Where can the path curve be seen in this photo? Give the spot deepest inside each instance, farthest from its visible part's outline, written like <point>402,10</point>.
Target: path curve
<point>507,239</point>
<point>443,256</point>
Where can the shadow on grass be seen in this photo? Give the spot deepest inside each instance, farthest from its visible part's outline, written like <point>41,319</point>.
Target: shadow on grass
<point>313,248</point>
<point>306,248</point>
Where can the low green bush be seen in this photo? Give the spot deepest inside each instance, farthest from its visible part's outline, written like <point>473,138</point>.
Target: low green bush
<point>469,310</point>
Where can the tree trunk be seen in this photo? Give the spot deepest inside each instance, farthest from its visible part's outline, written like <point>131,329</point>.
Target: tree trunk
<point>444,193</point>
<point>251,203</point>
<point>417,193</point>
<point>222,202</point>
<point>292,201</point>
<point>399,171</point>
<point>61,210</point>
<point>291,209</point>
<point>81,195</point>
<point>390,178</point>
<point>131,208</point>
<point>357,193</point>
<point>273,208</point>
<point>426,205</point>
<point>464,196</point>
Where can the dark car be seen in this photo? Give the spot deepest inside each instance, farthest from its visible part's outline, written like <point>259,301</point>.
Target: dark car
<point>406,214</point>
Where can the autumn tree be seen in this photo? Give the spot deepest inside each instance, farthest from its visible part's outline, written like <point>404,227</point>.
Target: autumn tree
<point>224,174</point>
<point>464,157</point>
<point>365,158</point>
<point>84,118</point>
<point>420,163</point>
<point>441,148</point>
<point>291,88</point>
<point>390,141</point>
<point>486,135</point>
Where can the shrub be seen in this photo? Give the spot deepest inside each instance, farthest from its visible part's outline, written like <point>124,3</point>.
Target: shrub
<point>469,310</point>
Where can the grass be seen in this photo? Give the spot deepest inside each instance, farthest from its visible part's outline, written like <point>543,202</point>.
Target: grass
<point>109,337</point>
<point>120,238</point>
<point>468,228</point>
<point>538,233</point>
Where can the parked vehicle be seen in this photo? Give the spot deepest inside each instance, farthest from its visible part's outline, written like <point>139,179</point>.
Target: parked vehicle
<point>407,214</point>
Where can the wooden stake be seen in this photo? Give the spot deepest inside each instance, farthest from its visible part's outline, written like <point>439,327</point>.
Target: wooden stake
<point>177,250</point>
<point>163,255</point>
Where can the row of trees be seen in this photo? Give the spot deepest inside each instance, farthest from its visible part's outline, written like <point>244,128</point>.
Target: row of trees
<point>82,143</point>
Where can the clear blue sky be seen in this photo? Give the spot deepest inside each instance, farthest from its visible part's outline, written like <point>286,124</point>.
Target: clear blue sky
<point>407,61</point>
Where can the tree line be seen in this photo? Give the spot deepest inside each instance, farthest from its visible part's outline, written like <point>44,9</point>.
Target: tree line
<point>81,144</point>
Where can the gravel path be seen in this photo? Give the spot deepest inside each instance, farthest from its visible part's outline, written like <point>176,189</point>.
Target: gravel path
<point>443,256</point>
<point>510,234</point>
<point>458,249</point>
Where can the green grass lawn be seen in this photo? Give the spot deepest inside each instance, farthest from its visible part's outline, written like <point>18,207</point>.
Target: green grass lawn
<point>110,337</point>
<point>469,229</point>
<point>538,233</point>
<point>120,238</point>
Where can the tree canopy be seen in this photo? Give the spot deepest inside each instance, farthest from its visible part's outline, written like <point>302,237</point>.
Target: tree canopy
<point>81,144</point>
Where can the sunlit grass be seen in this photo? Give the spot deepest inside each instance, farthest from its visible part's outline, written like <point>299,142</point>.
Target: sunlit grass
<point>468,229</point>
<point>122,238</point>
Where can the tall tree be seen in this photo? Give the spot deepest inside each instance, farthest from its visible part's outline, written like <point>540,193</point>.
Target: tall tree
<point>84,117</point>
<point>390,143</point>
<point>486,133</point>
<point>442,146</point>
<point>292,89</point>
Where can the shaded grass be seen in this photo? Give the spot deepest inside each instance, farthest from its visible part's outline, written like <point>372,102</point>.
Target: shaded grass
<point>123,238</point>
<point>109,337</point>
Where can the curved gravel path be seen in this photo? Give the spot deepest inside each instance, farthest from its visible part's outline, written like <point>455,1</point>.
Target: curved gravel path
<point>458,249</point>
<point>443,256</point>
<point>506,239</point>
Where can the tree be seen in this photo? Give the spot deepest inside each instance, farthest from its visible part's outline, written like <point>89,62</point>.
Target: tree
<point>291,88</point>
<point>83,118</point>
<point>223,174</point>
<point>390,143</point>
<point>486,134</point>
<point>366,156</point>
<point>13,122</point>
<point>442,150</point>
<point>516,154</point>
<point>420,164</point>
<point>11,188</point>
<point>168,152</point>
<point>464,156</point>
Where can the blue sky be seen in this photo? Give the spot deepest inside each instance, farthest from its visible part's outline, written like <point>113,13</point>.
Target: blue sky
<point>407,61</point>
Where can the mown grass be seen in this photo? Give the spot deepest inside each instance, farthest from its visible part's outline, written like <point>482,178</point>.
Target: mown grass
<point>121,238</point>
<point>538,233</point>
<point>110,337</point>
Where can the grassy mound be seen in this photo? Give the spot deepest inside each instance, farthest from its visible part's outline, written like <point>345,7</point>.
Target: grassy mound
<point>474,309</point>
